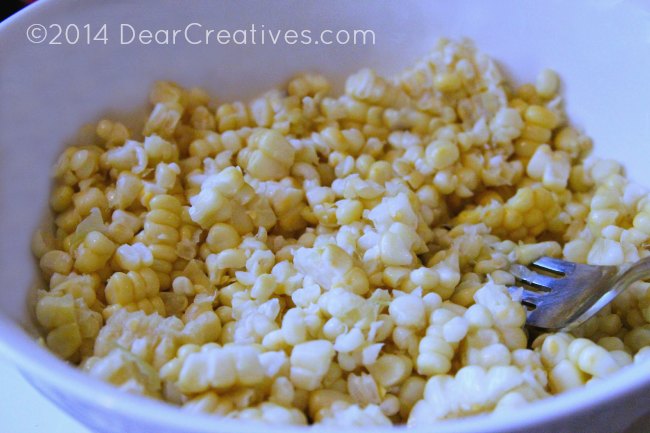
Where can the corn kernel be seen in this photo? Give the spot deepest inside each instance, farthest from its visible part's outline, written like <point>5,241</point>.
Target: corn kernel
<point>541,116</point>
<point>547,83</point>
<point>448,82</point>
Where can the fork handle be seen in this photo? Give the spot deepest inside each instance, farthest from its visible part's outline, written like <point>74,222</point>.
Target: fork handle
<point>626,276</point>
<point>636,272</point>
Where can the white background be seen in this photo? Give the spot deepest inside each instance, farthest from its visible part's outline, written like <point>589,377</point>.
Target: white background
<point>24,410</point>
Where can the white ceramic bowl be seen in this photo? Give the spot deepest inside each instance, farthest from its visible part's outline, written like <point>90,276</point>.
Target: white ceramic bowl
<point>601,49</point>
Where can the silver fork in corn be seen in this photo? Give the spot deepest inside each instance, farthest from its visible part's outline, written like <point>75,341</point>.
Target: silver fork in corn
<point>570,293</point>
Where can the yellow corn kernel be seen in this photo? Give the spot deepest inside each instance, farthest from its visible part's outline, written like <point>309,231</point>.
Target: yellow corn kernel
<point>448,82</point>
<point>88,199</point>
<point>484,198</point>
<point>380,172</point>
<point>442,154</point>
<point>541,116</point>
<point>493,217</point>
<point>367,86</point>
<point>56,261</point>
<point>522,201</point>
<point>434,356</point>
<point>269,155</point>
<point>642,222</point>
<point>536,133</point>
<point>565,376</point>
<point>125,289</point>
<point>133,257</point>
<point>113,133</point>
<point>158,149</point>
<point>166,91</point>
<point>425,278</point>
<point>408,311</point>
<point>533,217</point>
<point>395,248</point>
<point>94,252</point>
<point>471,216</point>
<point>203,119</point>
<point>390,370</point>
<point>64,340</point>
<point>526,148</point>
<point>308,85</point>
<point>55,311</point>
<point>547,83</point>
<point>310,362</point>
<point>348,211</point>
<point>42,242</point>
<point>322,399</point>
<point>61,198</point>
<point>394,276</point>
<point>163,119</point>
<point>527,92</point>
<point>518,104</point>
<point>221,237</point>
<point>410,392</point>
<point>567,139</point>
<point>528,253</point>
<point>84,163</point>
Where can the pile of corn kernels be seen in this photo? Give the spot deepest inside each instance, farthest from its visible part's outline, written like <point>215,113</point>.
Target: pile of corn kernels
<point>305,258</point>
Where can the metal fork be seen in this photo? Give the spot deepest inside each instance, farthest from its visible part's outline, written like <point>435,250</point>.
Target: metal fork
<point>570,293</point>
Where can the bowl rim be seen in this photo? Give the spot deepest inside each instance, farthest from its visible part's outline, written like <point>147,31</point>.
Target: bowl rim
<point>39,365</point>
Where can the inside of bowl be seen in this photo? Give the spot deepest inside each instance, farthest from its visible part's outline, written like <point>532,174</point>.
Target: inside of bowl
<point>49,92</point>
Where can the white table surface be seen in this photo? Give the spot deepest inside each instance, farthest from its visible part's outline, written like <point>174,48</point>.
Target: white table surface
<point>24,410</point>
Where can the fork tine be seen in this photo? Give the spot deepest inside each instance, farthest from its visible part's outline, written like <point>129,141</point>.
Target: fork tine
<point>531,298</point>
<point>554,265</point>
<point>527,297</point>
<point>525,275</point>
